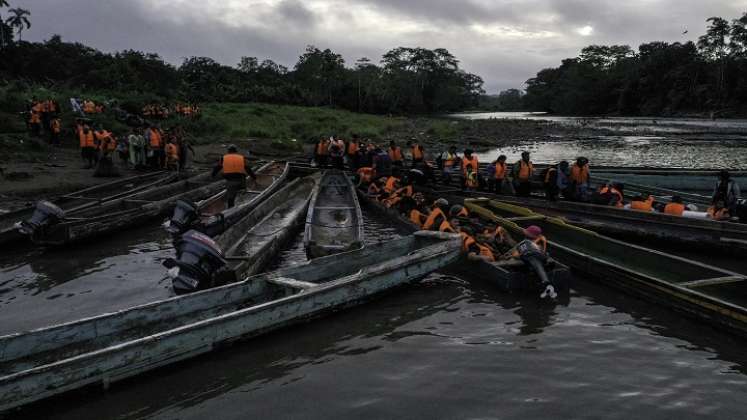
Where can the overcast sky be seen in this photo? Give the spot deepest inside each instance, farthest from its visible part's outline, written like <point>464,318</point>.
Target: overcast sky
<point>504,41</point>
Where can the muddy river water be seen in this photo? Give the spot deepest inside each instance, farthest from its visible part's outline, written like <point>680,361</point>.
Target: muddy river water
<point>446,348</point>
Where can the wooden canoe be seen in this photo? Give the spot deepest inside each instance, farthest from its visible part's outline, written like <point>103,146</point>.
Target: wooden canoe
<point>100,350</point>
<point>708,293</point>
<point>84,199</point>
<point>509,275</point>
<point>334,222</point>
<point>215,218</point>
<point>130,211</point>
<point>704,235</point>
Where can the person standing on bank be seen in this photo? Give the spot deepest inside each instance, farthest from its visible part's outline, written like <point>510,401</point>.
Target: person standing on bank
<point>522,174</point>
<point>235,169</point>
<point>727,190</point>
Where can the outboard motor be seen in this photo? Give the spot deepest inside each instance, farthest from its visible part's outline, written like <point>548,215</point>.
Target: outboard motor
<point>742,210</point>
<point>185,213</point>
<point>199,264</point>
<point>535,258</point>
<point>45,215</point>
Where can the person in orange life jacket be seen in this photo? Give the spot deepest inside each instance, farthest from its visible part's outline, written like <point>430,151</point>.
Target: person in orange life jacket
<point>321,152</point>
<point>87,145</point>
<point>337,153</point>
<point>413,211</point>
<point>497,177</point>
<point>436,215</point>
<point>580,179</point>
<point>727,190</point>
<point>235,168</point>
<point>449,164</point>
<point>470,167</point>
<point>353,153</point>
<point>718,211</point>
<point>155,140</point>
<point>522,173</point>
<point>675,207</point>
<point>395,154</point>
<point>609,194</point>
<point>417,151</point>
<point>365,176</point>
<point>55,128</point>
<point>556,181</point>
<point>642,204</point>
<point>172,155</point>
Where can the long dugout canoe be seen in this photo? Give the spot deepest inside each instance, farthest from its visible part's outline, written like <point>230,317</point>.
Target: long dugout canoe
<point>334,222</point>
<point>100,350</point>
<point>705,292</point>
<point>124,212</point>
<point>84,199</point>
<point>509,275</point>
<point>705,235</point>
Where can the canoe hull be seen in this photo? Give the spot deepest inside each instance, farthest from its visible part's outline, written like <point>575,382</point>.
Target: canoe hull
<point>301,301</point>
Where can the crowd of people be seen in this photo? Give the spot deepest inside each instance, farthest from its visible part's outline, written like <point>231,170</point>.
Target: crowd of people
<point>569,181</point>
<point>162,112</point>
<point>44,119</point>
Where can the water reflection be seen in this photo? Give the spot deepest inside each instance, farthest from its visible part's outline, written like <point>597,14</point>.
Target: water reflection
<point>635,151</point>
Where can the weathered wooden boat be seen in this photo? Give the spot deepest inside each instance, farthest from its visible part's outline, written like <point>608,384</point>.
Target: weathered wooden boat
<point>704,235</point>
<point>210,216</point>
<point>708,293</point>
<point>51,226</point>
<point>512,275</point>
<point>100,350</point>
<point>247,245</point>
<point>84,199</point>
<point>334,222</point>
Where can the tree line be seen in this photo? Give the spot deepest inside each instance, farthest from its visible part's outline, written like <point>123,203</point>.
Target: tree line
<point>661,78</point>
<point>404,81</point>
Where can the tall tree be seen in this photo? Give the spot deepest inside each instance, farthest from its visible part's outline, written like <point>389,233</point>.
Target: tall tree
<point>3,26</point>
<point>19,19</point>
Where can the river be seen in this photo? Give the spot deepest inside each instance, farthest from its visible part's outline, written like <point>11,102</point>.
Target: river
<point>637,142</point>
<point>445,348</point>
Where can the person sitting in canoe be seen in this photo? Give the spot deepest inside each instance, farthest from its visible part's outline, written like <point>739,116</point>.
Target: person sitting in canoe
<point>675,207</point>
<point>498,239</point>
<point>235,169</point>
<point>642,204</point>
<point>726,191</point>
<point>718,211</point>
<point>436,215</point>
<point>473,248</point>
<point>609,194</point>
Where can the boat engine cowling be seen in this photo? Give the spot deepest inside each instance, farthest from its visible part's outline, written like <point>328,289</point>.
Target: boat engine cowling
<point>184,215</point>
<point>742,210</point>
<point>199,264</point>
<point>534,257</point>
<point>45,214</point>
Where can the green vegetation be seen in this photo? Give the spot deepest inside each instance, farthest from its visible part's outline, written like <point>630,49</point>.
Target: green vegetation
<point>660,79</point>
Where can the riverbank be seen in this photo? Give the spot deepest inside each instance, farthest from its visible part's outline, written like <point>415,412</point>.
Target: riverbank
<point>30,169</point>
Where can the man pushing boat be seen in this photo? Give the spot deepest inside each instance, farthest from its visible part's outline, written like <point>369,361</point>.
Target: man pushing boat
<point>235,169</point>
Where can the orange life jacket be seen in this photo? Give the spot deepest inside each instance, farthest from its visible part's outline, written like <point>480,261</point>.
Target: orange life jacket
<point>485,252</point>
<point>233,163</point>
<point>322,148</point>
<point>417,152</point>
<point>86,139</point>
<point>467,241</point>
<point>35,118</point>
<point>156,141</point>
<point>101,137</point>
<point>417,217</point>
<point>430,222</point>
<point>38,107</point>
<point>56,128</point>
<point>450,160</point>
<point>500,170</point>
<point>405,191</point>
<point>352,148</point>
<point>366,174</point>
<point>446,227</point>
<point>389,186</point>
<point>580,175</point>
<point>473,162</point>
<point>676,209</point>
<point>642,205</point>
<point>395,154</point>
<point>89,107</point>
<point>525,170</point>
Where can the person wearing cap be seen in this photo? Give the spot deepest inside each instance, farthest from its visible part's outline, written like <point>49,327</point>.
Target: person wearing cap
<point>727,190</point>
<point>534,234</point>
<point>235,169</point>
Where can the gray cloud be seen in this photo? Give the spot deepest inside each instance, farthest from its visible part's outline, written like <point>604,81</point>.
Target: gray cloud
<point>505,41</point>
